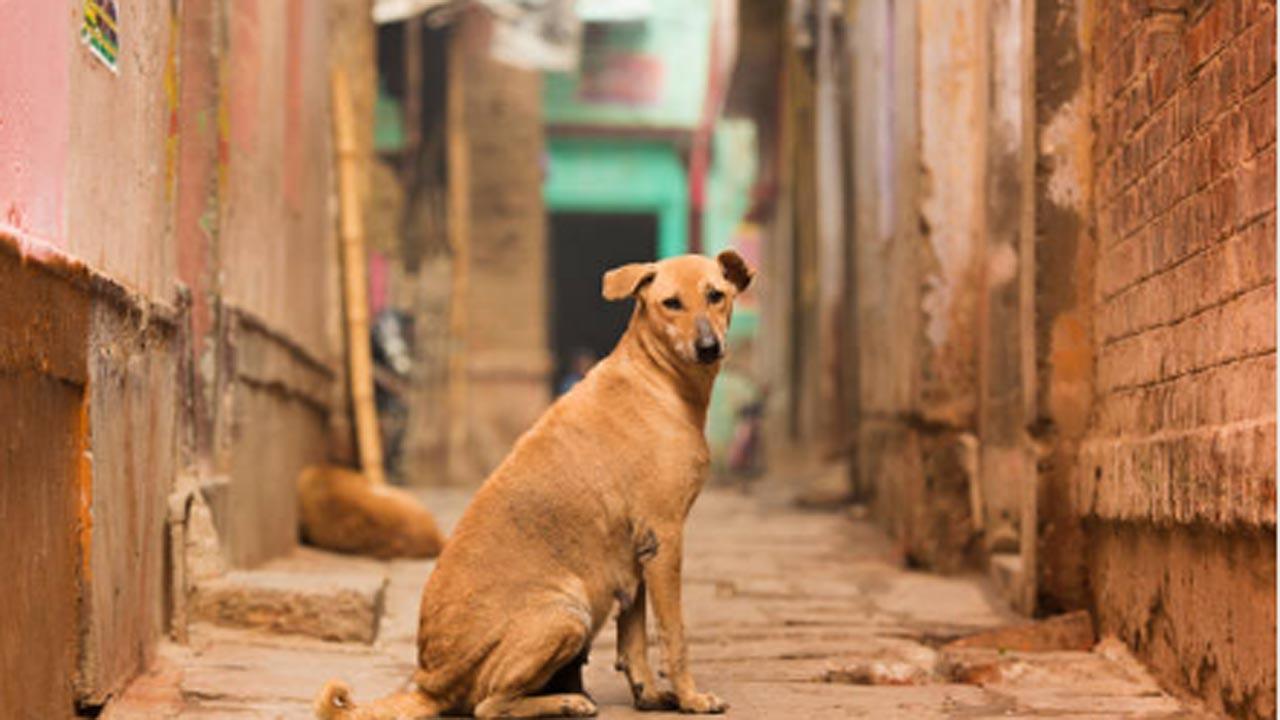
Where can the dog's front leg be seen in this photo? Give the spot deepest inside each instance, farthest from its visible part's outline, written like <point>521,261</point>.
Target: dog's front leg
<point>633,657</point>
<point>662,575</point>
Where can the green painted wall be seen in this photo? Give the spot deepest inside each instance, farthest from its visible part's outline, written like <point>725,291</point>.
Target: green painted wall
<point>729,181</point>
<point>618,175</point>
<point>650,73</point>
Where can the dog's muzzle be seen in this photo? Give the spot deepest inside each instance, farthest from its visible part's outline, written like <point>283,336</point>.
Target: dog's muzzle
<point>707,346</point>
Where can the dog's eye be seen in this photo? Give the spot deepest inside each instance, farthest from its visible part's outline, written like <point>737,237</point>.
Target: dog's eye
<point>714,296</point>
<point>672,303</point>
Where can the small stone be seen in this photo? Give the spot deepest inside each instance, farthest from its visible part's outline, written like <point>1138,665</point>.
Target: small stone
<point>877,672</point>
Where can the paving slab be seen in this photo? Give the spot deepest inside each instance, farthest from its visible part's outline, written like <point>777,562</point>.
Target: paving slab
<point>791,614</point>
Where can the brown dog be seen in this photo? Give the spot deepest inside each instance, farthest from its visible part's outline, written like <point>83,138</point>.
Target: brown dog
<point>586,512</point>
<point>342,510</point>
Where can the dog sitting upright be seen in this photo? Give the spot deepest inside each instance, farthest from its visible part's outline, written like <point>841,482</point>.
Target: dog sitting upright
<point>587,512</point>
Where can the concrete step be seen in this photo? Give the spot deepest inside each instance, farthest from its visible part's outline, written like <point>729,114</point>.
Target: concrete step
<point>308,593</point>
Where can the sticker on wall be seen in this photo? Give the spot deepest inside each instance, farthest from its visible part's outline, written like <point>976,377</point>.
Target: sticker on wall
<point>100,31</point>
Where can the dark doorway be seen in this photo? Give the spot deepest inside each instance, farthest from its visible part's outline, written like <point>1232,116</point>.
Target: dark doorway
<point>583,247</point>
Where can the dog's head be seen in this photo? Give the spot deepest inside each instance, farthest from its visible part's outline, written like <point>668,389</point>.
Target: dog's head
<point>684,302</point>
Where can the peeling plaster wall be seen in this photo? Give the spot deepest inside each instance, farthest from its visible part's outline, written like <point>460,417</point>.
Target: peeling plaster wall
<point>919,144</point>
<point>507,360</point>
<point>911,250</point>
<point>952,151</point>
<point>277,255</point>
<point>276,229</point>
<point>119,189</point>
<point>953,146</point>
<point>883,394</point>
<point>99,347</point>
<point>120,182</point>
<point>93,294</point>
<point>1006,339</point>
<point>1064,290</point>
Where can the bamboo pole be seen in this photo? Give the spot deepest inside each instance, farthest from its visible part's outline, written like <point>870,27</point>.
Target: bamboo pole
<point>355,282</point>
<point>459,188</point>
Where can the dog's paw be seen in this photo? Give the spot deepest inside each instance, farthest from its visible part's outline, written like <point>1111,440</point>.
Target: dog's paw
<point>703,704</point>
<point>648,699</point>
<point>578,706</point>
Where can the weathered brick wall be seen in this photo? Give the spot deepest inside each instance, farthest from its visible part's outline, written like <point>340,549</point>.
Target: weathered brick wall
<point>1182,437</point>
<point>1185,162</point>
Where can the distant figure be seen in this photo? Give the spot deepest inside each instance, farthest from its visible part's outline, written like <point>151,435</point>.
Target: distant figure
<point>581,362</point>
<point>745,457</point>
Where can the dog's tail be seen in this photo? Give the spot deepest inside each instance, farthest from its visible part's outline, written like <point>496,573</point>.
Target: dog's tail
<point>334,703</point>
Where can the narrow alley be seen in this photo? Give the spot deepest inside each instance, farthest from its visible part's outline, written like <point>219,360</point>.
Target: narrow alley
<point>793,614</point>
<point>960,313</point>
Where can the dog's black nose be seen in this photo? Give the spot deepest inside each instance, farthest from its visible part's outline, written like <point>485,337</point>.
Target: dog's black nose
<point>708,349</point>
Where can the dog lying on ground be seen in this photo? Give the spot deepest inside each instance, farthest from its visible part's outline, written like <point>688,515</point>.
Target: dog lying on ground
<point>587,512</point>
<point>342,510</point>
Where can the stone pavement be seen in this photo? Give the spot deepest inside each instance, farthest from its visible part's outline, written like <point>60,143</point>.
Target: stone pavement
<point>791,614</point>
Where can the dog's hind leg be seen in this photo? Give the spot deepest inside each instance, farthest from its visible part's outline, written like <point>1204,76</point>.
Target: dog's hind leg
<point>567,679</point>
<point>535,649</point>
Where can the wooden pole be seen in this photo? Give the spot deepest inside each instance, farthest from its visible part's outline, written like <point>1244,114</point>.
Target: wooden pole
<point>355,282</point>
<point>459,189</point>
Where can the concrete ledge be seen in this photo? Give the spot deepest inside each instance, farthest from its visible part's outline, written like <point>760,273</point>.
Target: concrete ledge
<point>335,606</point>
<point>1221,475</point>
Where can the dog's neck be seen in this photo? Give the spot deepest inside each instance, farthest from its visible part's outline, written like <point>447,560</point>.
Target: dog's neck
<point>691,383</point>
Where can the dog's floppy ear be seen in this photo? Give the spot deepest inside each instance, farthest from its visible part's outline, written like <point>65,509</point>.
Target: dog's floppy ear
<point>735,269</point>
<point>623,282</point>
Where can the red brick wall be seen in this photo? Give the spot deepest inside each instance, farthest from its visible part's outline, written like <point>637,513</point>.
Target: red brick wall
<point>1185,315</point>
<point>1177,473</point>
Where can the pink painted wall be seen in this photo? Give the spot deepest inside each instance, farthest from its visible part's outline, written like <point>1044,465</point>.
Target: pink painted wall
<point>35,117</point>
<point>83,169</point>
<point>119,215</point>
